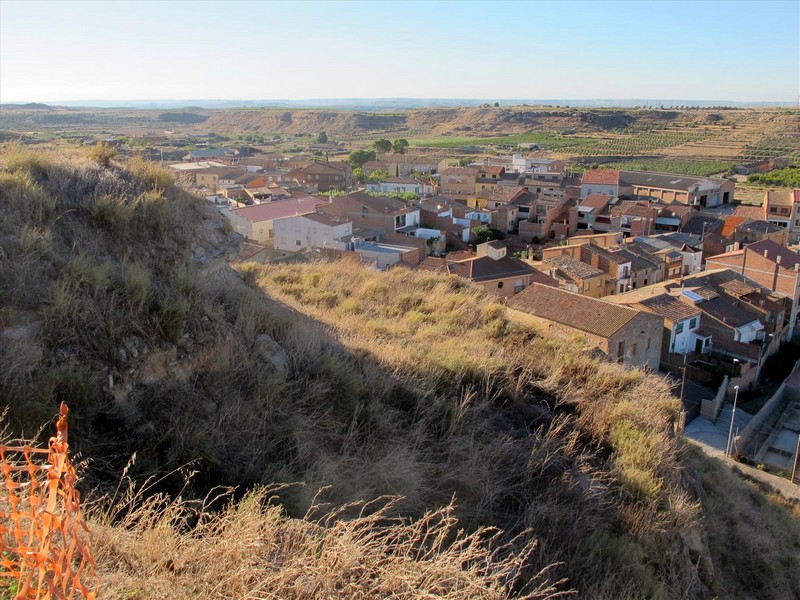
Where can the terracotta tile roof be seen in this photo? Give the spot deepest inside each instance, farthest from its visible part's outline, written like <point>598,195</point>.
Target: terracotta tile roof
<point>737,287</point>
<point>775,253</point>
<point>732,223</point>
<point>278,209</point>
<point>723,310</point>
<point>490,170</point>
<point>601,177</point>
<point>326,219</point>
<point>595,201</point>
<point>464,171</point>
<point>381,204</point>
<point>573,268</point>
<point>506,194</point>
<point>670,308</point>
<point>460,256</point>
<point>585,314</point>
<point>484,268</point>
<point>749,212</point>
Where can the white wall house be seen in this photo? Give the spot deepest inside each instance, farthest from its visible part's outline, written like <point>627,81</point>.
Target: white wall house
<point>314,230</point>
<point>530,164</point>
<point>682,336</point>
<point>402,185</point>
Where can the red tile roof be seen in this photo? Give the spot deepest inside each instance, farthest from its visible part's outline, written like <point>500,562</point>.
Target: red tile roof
<point>596,201</point>
<point>732,223</point>
<point>491,170</point>
<point>278,209</point>
<point>749,212</point>
<point>776,253</point>
<point>601,177</point>
<point>573,310</point>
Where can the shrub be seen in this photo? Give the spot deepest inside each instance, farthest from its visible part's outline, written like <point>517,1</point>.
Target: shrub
<point>102,154</point>
<point>150,174</point>
<point>135,279</point>
<point>113,214</point>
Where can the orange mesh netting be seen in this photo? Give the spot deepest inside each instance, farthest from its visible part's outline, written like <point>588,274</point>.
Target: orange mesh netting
<point>44,542</point>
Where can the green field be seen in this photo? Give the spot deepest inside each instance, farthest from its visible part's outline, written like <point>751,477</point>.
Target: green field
<point>698,168</point>
<point>773,146</point>
<point>547,141</point>
<point>638,143</point>
<point>789,177</point>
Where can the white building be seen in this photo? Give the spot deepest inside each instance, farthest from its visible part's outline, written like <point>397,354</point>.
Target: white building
<point>531,164</point>
<point>402,185</point>
<point>313,230</point>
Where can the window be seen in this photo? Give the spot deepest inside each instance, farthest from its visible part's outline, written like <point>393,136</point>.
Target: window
<point>499,284</point>
<point>633,350</point>
<point>620,351</point>
<point>297,242</point>
<point>679,328</point>
<point>693,323</point>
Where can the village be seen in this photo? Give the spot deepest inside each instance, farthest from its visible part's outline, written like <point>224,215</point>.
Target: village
<point>660,271</point>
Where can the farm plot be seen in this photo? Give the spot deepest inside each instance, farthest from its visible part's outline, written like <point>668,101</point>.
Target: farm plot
<point>773,146</point>
<point>639,143</point>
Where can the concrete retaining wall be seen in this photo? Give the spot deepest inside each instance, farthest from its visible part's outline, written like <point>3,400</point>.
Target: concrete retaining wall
<point>771,411</point>
<point>710,408</point>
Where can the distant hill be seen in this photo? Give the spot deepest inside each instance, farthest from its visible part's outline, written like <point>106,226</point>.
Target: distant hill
<point>28,106</point>
<point>411,103</point>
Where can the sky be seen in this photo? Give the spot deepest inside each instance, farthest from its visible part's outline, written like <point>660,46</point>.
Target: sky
<point>704,50</point>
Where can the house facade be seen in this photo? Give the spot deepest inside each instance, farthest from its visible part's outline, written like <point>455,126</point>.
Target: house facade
<point>326,176</point>
<point>705,192</point>
<point>621,333</point>
<point>257,222</point>
<point>782,208</point>
<point>312,230</point>
<point>458,182</point>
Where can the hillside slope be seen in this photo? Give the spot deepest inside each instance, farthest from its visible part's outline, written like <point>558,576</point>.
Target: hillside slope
<point>348,386</point>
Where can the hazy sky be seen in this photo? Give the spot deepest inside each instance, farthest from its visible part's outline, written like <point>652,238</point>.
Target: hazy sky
<point>701,50</point>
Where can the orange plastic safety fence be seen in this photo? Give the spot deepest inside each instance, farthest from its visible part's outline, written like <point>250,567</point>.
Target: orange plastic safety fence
<point>44,542</point>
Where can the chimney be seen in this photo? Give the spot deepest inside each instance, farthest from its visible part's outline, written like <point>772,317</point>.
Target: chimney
<point>778,259</point>
<point>765,253</point>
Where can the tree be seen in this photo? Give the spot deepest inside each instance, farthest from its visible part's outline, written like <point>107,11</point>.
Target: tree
<point>378,175</point>
<point>358,175</point>
<point>464,161</point>
<point>382,145</point>
<point>400,146</point>
<point>496,104</point>
<point>322,137</point>
<point>357,158</point>
<point>486,234</point>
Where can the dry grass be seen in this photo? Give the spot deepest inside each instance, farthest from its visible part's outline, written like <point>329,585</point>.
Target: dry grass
<point>753,534</point>
<point>252,549</point>
<point>367,385</point>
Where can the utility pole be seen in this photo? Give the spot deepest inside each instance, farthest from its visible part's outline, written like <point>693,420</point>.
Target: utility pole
<point>796,458</point>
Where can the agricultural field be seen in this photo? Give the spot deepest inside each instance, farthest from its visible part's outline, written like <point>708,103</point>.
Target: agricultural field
<point>638,143</point>
<point>546,141</point>
<point>697,168</point>
<point>789,177</point>
<point>787,145</point>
